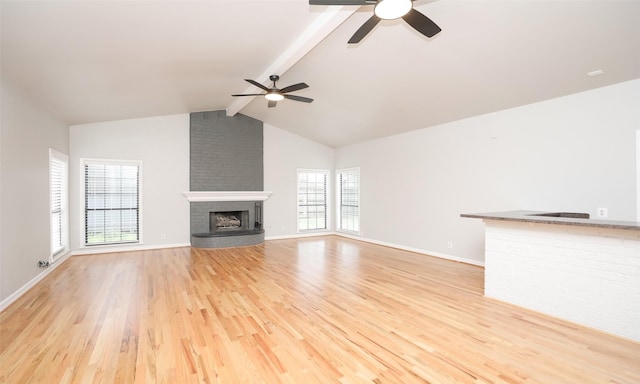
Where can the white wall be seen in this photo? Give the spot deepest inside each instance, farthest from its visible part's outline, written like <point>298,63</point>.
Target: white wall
<point>574,153</point>
<point>284,153</point>
<point>162,144</point>
<point>27,133</point>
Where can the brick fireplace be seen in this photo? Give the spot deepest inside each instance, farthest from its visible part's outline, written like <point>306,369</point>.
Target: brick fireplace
<point>226,178</point>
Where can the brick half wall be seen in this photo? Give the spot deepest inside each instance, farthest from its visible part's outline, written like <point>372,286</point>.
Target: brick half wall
<point>586,275</point>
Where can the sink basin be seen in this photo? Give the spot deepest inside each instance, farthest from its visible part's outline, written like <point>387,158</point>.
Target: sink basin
<point>573,215</point>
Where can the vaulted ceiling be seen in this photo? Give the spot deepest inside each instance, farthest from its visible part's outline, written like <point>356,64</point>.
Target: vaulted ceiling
<point>91,61</point>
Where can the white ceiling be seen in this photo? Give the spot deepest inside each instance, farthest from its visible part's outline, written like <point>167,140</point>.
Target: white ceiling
<point>91,61</point>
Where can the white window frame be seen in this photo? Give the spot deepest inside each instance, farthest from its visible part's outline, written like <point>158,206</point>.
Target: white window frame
<point>339,206</point>
<point>58,204</point>
<point>83,228</point>
<point>326,175</point>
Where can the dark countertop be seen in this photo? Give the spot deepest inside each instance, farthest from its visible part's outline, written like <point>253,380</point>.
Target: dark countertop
<point>530,217</point>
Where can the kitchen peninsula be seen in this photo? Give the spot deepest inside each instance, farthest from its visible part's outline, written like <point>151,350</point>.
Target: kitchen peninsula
<point>566,265</point>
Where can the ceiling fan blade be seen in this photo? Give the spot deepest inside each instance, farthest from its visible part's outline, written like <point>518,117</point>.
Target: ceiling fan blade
<point>272,103</point>
<point>298,98</point>
<point>294,87</point>
<point>257,84</point>
<point>341,2</point>
<point>364,29</point>
<point>421,23</point>
<point>250,94</point>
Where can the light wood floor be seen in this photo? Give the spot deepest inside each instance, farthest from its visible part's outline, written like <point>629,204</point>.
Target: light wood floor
<point>315,310</point>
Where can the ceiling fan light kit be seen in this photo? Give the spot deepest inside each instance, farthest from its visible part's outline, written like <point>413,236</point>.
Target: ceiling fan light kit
<point>392,9</point>
<point>273,96</point>
<point>387,10</point>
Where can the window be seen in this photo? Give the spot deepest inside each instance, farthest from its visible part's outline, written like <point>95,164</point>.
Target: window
<point>58,187</point>
<point>312,200</point>
<point>349,199</point>
<point>112,213</point>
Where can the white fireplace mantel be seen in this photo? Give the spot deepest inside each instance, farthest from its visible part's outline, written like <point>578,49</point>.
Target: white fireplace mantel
<point>194,196</point>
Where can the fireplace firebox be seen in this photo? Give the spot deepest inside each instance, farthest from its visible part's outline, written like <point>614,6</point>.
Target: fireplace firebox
<point>228,221</point>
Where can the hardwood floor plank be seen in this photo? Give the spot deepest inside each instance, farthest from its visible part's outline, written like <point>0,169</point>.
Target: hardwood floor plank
<point>312,310</point>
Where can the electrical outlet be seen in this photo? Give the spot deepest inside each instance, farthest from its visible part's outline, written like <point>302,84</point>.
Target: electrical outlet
<point>450,245</point>
<point>602,212</point>
<point>163,236</point>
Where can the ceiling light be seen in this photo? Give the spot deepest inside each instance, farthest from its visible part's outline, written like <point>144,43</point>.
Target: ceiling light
<point>392,9</point>
<point>597,72</point>
<point>273,96</point>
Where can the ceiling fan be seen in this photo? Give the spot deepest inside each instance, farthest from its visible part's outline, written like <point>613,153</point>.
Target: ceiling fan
<point>387,10</point>
<point>274,94</point>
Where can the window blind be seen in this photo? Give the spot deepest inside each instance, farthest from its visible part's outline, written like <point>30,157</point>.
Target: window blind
<point>312,199</point>
<point>349,199</point>
<point>57,192</point>
<point>111,203</point>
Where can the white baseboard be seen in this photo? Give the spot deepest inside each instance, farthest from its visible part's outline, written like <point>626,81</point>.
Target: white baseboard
<point>385,244</point>
<point>415,250</point>
<point>124,248</point>
<point>299,235</point>
<point>22,290</point>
